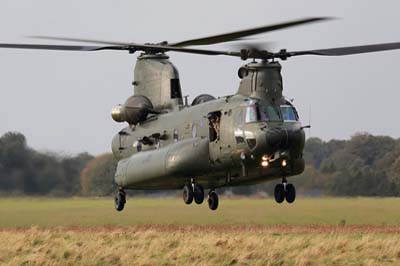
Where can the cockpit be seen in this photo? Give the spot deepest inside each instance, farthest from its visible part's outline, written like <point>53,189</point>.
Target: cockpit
<point>255,112</point>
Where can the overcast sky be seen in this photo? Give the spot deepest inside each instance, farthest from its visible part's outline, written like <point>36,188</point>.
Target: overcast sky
<point>61,101</point>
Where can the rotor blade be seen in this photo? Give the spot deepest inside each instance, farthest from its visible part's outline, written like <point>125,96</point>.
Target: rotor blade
<point>52,47</point>
<point>202,51</point>
<point>349,50</point>
<point>232,36</point>
<point>76,40</point>
<point>131,48</point>
<point>253,46</point>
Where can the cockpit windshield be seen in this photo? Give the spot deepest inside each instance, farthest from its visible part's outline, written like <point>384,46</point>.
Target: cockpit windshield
<point>270,113</point>
<point>256,113</point>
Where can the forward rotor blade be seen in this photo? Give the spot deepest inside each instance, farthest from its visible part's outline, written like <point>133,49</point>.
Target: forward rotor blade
<point>77,40</point>
<point>52,47</point>
<point>232,36</point>
<point>349,50</point>
<point>131,48</point>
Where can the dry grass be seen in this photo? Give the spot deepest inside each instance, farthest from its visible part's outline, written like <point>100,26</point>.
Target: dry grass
<point>330,231</point>
<point>201,245</point>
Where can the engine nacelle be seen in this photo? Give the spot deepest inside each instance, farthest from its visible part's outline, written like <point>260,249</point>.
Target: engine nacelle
<point>202,99</point>
<point>134,110</point>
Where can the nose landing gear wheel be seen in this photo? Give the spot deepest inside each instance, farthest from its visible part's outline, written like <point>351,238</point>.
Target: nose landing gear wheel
<point>279,193</point>
<point>212,200</point>
<point>119,200</point>
<point>187,194</point>
<point>198,194</point>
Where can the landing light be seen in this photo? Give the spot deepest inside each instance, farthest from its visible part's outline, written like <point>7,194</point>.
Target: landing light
<point>264,163</point>
<point>264,158</point>
<point>284,163</point>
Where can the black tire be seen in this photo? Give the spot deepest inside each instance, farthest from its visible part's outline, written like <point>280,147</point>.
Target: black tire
<point>198,194</point>
<point>212,200</point>
<point>290,193</point>
<point>279,193</point>
<point>187,194</point>
<point>119,200</point>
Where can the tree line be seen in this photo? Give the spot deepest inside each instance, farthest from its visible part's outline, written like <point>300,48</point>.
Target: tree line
<point>364,165</point>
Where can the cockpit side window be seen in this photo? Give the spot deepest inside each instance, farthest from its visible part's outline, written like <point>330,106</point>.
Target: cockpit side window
<point>252,114</point>
<point>289,113</point>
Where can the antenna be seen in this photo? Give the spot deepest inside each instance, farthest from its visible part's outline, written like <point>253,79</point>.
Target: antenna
<point>309,121</point>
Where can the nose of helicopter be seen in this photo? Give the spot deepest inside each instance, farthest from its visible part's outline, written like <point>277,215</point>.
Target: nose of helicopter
<point>280,138</point>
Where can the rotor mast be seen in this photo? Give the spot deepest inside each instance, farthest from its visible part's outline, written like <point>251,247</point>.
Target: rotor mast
<point>262,80</point>
<point>158,79</point>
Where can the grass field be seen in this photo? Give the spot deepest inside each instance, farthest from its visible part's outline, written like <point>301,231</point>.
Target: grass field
<point>327,231</point>
<point>26,212</point>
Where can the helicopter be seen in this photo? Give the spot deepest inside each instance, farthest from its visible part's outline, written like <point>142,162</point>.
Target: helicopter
<point>249,137</point>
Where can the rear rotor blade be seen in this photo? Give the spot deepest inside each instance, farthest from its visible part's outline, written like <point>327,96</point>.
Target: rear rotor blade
<point>232,36</point>
<point>349,50</point>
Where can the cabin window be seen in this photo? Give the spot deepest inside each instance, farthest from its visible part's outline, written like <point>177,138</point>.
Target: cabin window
<point>194,131</point>
<point>239,139</point>
<point>138,145</point>
<point>239,118</point>
<point>175,135</point>
<point>175,89</point>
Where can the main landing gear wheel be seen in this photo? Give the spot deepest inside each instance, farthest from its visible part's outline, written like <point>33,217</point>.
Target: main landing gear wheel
<point>212,200</point>
<point>285,191</point>
<point>120,200</point>
<point>290,193</point>
<point>198,194</point>
<point>279,193</point>
<point>187,194</point>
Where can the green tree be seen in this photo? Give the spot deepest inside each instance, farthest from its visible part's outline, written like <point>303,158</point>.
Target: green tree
<point>98,176</point>
<point>27,171</point>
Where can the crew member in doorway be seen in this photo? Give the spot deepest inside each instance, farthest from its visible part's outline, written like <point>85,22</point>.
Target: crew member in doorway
<point>215,124</point>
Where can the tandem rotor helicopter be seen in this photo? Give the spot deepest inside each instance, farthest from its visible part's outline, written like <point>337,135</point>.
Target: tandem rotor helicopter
<point>245,138</point>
